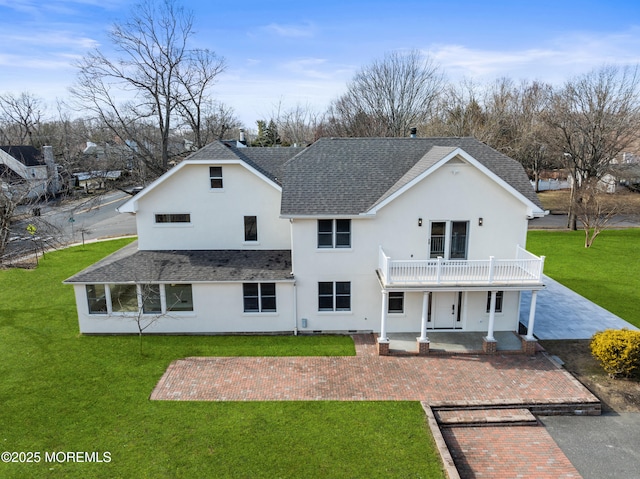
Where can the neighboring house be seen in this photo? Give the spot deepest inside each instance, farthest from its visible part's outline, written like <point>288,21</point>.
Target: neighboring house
<point>27,166</point>
<point>346,235</point>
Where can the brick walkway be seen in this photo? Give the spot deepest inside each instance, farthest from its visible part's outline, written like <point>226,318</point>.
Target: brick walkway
<point>462,380</point>
<point>507,452</point>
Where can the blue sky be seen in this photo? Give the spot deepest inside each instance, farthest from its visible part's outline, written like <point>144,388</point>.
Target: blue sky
<point>301,52</point>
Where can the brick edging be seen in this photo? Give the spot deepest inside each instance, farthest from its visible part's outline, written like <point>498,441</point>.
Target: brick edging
<point>445,455</point>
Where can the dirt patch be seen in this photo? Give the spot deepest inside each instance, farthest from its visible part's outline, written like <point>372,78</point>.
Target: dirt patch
<point>618,395</point>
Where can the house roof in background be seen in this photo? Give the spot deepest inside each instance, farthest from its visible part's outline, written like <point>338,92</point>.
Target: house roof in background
<point>348,176</point>
<point>27,155</point>
<point>129,265</point>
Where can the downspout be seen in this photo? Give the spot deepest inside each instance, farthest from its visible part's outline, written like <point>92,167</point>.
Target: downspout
<point>295,309</point>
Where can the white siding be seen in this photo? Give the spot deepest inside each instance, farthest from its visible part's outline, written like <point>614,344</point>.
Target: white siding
<point>218,308</point>
<point>464,196</point>
<point>217,215</point>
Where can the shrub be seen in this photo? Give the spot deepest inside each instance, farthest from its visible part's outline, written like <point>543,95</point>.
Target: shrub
<point>618,350</point>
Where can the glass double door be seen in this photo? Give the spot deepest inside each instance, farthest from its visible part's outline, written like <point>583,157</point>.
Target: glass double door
<point>449,239</point>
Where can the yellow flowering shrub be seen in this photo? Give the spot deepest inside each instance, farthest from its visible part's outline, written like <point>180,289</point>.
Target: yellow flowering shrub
<point>618,351</point>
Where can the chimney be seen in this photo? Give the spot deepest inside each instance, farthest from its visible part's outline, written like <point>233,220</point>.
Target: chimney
<point>242,138</point>
<point>52,171</point>
<point>414,132</point>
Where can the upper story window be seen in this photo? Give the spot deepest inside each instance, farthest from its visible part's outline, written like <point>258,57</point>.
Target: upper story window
<point>251,228</point>
<point>449,239</point>
<point>334,233</point>
<point>173,218</point>
<point>215,176</point>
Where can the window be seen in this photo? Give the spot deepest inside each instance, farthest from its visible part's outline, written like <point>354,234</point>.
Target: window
<point>448,237</point>
<point>396,302</point>
<point>499,296</point>
<point>259,297</point>
<point>215,176</point>
<point>251,228</point>
<point>334,296</point>
<point>334,233</point>
<point>438,235</point>
<point>459,240</point>
<point>173,218</point>
<point>97,298</point>
<point>129,298</point>
<point>124,298</point>
<point>151,301</point>
<point>178,297</point>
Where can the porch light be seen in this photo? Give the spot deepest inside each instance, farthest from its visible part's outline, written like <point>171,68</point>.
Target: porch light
<point>419,221</point>
<point>480,221</point>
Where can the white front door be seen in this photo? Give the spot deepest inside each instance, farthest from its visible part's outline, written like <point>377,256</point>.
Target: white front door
<point>446,312</point>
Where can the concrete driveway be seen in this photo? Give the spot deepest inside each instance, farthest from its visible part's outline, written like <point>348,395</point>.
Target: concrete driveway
<point>563,314</point>
<point>598,447</point>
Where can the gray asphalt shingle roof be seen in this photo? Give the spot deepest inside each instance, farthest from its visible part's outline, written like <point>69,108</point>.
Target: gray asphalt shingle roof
<point>268,161</point>
<point>131,265</point>
<point>347,176</point>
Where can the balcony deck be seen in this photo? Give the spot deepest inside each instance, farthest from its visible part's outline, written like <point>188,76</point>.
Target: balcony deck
<point>526,269</point>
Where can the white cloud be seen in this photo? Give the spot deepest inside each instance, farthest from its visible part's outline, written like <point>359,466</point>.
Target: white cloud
<point>555,61</point>
<point>291,31</point>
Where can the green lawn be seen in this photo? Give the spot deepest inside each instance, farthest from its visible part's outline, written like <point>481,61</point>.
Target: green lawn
<point>608,273</point>
<point>62,392</point>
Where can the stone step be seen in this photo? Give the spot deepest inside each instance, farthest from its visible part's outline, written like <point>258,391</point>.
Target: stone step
<point>486,417</point>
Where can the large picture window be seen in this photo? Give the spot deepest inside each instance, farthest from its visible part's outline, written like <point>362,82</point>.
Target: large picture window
<point>334,233</point>
<point>178,297</point>
<point>259,297</point>
<point>334,296</point>
<point>131,298</point>
<point>124,298</point>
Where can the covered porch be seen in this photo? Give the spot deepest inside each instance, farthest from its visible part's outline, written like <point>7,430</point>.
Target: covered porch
<point>454,342</point>
<point>461,277</point>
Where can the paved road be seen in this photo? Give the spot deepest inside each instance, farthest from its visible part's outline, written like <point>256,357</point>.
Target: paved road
<point>71,222</point>
<point>599,447</point>
<point>560,222</point>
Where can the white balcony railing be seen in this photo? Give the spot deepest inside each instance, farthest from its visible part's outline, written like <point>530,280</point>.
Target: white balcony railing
<point>525,269</point>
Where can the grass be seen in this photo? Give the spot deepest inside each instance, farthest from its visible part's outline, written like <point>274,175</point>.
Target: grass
<point>61,391</point>
<point>608,273</point>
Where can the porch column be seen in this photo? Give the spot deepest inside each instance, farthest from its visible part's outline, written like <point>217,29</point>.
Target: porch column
<point>425,311</point>
<point>492,316</point>
<point>383,340</point>
<point>532,316</point>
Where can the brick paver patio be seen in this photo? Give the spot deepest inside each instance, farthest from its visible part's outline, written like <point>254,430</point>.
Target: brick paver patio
<point>460,380</point>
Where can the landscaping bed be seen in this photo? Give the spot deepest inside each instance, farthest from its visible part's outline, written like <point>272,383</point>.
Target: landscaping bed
<point>616,395</point>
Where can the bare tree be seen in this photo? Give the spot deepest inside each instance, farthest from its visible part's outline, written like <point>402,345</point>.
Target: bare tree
<point>20,117</point>
<point>593,213</point>
<point>388,97</point>
<point>159,73</point>
<point>593,118</point>
<point>197,73</point>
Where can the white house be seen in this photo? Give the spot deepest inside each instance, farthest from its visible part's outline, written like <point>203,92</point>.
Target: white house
<point>28,170</point>
<point>346,235</point>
